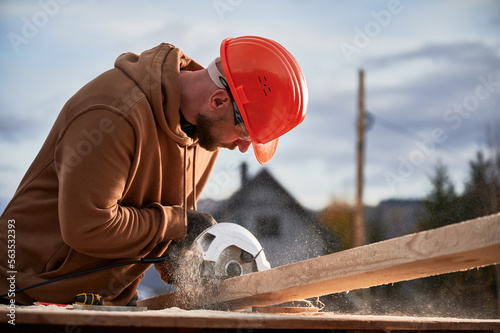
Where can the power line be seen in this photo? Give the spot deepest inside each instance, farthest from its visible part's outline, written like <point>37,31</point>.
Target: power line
<point>406,132</point>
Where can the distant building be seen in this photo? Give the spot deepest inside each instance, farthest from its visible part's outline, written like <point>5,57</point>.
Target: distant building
<point>397,217</point>
<point>287,231</point>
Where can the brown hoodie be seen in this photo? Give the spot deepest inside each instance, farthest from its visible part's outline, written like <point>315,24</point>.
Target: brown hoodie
<point>110,184</point>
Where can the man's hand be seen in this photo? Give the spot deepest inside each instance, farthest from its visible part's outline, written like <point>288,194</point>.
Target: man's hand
<point>166,270</point>
<point>197,222</point>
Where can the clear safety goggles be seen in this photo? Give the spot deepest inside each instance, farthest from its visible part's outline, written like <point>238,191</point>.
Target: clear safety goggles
<point>238,119</point>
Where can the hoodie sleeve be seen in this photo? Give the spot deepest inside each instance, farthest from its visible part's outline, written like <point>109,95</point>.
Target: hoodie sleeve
<point>93,160</point>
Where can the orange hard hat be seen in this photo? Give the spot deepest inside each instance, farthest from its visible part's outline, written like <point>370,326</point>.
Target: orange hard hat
<point>268,87</point>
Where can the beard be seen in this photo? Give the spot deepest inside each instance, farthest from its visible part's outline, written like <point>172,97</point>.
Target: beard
<point>206,139</point>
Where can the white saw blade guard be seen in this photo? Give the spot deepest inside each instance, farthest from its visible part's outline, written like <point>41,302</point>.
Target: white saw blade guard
<point>214,240</point>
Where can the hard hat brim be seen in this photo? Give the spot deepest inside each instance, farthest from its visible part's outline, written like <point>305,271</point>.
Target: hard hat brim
<point>265,151</point>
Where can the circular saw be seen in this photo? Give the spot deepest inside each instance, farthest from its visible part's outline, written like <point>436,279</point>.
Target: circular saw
<point>229,250</point>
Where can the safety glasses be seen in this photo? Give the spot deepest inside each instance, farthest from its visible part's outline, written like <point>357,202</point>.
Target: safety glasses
<point>238,119</point>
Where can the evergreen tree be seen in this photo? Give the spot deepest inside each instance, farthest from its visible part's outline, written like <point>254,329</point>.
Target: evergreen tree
<point>477,288</point>
<point>478,198</point>
<point>492,139</point>
<point>495,183</point>
<point>441,203</point>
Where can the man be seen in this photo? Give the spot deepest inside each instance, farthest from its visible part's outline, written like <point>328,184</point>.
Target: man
<point>121,170</point>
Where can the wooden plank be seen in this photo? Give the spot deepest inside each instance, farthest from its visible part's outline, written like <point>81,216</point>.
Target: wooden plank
<point>283,309</point>
<point>36,319</point>
<point>452,248</point>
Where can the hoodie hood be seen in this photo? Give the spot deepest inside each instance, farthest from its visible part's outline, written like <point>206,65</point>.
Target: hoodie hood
<point>156,73</point>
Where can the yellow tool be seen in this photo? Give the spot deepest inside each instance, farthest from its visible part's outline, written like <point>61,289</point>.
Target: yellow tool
<point>88,299</point>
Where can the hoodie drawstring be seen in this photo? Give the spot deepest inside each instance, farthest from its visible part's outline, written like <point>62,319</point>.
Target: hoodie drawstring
<point>194,177</point>
<point>185,186</point>
<point>193,174</point>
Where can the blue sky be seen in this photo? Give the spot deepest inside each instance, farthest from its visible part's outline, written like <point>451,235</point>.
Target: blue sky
<point>432,80</point>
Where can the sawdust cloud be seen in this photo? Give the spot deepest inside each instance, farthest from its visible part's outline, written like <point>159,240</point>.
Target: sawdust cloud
<point>188,274</point>
<point>408,299</point>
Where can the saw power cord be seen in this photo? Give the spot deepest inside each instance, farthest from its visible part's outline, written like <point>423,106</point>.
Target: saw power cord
<point>140,261</point>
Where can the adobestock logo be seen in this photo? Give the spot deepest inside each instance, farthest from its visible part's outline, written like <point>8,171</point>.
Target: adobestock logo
<point>93,138</point>
<point>372,28</point>
<point>454,117</point>
<point>31,26</point>
<point>471,102</point>
<point>220,180</point>
<point>223,6</point>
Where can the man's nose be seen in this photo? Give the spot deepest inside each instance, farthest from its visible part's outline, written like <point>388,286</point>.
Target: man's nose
<point>243,145</point>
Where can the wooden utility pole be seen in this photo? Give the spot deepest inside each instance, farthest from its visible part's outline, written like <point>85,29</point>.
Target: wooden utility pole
<point>359,219</point>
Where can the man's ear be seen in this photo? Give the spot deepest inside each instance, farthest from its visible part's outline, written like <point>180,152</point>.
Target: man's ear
<point>219,99</point>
